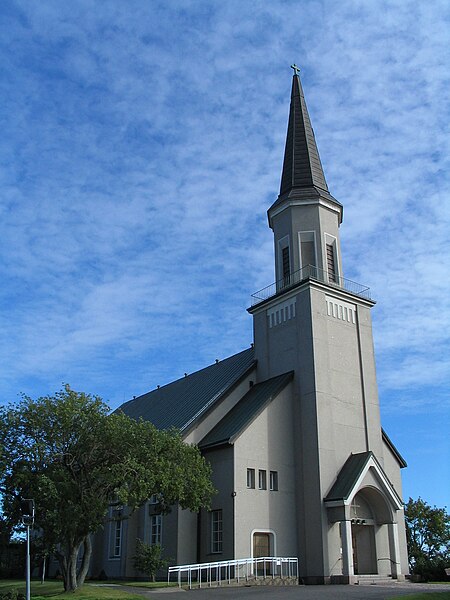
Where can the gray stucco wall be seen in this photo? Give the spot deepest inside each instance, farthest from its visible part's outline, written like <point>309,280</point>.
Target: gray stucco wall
<point>267,444</point>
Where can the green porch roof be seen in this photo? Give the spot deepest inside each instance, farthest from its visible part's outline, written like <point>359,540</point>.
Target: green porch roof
<point>348,476</point>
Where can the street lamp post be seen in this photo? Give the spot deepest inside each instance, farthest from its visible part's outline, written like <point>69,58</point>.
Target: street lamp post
<point>27,509</point>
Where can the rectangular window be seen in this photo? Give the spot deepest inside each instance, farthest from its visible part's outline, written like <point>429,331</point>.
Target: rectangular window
<point>155,529</point>
<point>273,481</point>
<point>262,480</point>
<point>331,264</point>
<point>251,478</point>
<point>117,537</point>
<point>153,499</point>
<point>286,266</point>
<point>216,531</point>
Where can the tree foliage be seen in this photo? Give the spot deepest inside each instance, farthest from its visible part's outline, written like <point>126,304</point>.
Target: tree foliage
<point>148,559</point>
<point>74,458</point>
<point>428,538</point>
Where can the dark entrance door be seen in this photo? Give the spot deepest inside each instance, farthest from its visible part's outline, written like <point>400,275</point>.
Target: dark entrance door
<point>364,556</point>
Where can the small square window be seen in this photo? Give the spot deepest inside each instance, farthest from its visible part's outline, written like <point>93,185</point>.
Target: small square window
<point>273,481</point>
<point>251,478</point>
<point>262,480</point>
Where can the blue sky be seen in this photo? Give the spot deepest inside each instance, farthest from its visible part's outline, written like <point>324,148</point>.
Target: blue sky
<point>142,143</point>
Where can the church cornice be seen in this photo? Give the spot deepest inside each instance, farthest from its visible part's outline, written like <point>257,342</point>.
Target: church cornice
<point>304,198</point>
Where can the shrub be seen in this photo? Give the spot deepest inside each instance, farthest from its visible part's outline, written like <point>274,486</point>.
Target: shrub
<point>148,559</point>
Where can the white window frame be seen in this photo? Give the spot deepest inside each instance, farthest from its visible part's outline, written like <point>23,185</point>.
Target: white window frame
<point>217,531</point>
<point>331,240</point>
<point>262,479</point>
<point>251,479</point>
<point>117,541</point>
<point>116,533</point>
<point>283,243</point>
<point>155,529</point>
<point>273,481</point>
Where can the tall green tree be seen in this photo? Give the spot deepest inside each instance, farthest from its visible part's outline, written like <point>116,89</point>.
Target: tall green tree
<point>428,538</point>
<point>74,458</point>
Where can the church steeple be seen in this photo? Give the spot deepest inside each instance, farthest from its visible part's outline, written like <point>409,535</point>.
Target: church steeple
<point>305,218</point>
<point>301,167</point>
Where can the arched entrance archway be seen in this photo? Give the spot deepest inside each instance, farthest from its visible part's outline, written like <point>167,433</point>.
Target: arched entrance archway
<point>366,505</point>
<point>363,536</point>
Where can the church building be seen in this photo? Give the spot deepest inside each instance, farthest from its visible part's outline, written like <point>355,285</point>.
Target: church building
<point>291,426</point>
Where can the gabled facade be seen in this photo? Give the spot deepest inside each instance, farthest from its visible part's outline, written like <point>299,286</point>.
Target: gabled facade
<point>291,426</point>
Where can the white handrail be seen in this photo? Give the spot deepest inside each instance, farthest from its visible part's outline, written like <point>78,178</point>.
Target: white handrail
<point>221,571</point>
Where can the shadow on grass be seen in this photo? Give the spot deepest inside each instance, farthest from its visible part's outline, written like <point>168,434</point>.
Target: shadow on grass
<point>55,590</point>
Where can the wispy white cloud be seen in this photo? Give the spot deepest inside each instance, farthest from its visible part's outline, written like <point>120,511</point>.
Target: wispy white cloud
<point>141,147</point>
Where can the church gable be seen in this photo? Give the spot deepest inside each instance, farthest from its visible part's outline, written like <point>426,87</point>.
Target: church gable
<point>361,470</point>
<point>245,411</point>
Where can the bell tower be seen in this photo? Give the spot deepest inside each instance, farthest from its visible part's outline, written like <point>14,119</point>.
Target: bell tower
<point>305,218</point>
<point>316,323</point>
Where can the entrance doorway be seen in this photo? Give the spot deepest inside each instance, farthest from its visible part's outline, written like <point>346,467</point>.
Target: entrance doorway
<point>262,548</point>
<point>261,545</point>
<point>364,555</point>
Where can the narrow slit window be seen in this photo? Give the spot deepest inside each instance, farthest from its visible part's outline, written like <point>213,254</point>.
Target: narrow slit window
<point>155,529</point>
<point>331,263</point>
<point>117,538</point>
<point>273,481</point>
<point>286,266</point>
<point>216,531</point>
<point>262,480</point>
<point>251,479</point>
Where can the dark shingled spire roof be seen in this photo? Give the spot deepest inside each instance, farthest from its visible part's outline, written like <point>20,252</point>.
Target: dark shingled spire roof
<point>301,167</point>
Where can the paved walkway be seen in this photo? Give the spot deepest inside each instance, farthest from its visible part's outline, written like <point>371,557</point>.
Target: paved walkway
<point>301,592</point>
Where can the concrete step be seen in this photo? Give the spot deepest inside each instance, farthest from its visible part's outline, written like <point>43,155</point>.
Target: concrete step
<point>375,579</point>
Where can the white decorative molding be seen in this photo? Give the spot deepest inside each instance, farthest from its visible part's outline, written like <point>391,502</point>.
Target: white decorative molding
<point>341,310</point>
<point>282,312</point>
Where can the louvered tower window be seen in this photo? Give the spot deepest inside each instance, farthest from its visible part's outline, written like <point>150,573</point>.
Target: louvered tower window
<point>331,264</point>
<point>286,266</point>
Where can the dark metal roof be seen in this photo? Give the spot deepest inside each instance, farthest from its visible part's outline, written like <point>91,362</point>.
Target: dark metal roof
<point>348,476</point>
<point>393,449</point>
<point>181,403</point>
<point>243,413</point>
<point>301,167</point>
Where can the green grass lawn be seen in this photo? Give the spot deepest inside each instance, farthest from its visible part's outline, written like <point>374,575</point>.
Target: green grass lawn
<point>89,591</point>
<point>425,596</point>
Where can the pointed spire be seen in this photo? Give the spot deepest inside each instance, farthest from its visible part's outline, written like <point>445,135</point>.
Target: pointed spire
<point>301,167</point>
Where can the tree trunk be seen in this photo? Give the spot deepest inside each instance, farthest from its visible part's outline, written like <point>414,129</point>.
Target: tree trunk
<point>70,579</point>
<point>44,565</point>
<point>62,561</point>
<point>87,553</point>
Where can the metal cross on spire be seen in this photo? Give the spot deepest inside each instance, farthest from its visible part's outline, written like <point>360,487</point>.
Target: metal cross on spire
<point>296,69</point>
